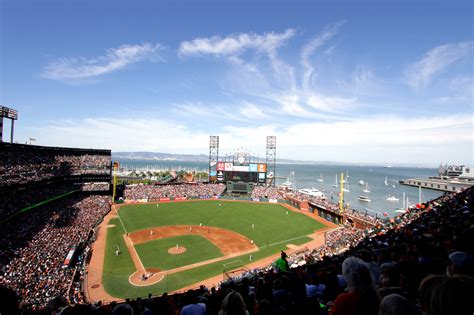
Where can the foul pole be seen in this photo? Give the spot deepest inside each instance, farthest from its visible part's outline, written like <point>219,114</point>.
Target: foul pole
<point>341,194</point>
<point>114,189</point>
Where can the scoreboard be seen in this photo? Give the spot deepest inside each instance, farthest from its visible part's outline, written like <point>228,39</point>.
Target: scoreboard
<point>249,173</point>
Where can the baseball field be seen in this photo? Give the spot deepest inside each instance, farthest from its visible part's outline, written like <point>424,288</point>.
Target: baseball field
<point>157,248</point>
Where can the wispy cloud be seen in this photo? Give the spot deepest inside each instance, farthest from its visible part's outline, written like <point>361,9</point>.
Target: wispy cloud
<point>308,50</point>
<point>114,59</point>
<point>251,111</point>
<point>435,61</point>
<point>235,44</point>
<point>332,104</point>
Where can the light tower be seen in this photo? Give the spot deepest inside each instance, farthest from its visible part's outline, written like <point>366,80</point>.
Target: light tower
<point>271,160</point>
<point>213,153</point>
<point>11,114</point>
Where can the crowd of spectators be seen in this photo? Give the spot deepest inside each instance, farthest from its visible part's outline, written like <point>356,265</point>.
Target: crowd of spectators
<point>155,192</point>
<point>95,186</point>
<point>421,262</point>
<point>23,163</point>
<point>269,192</point>
<point>13,201</point>
<point>35,245</point>
<point>334,207</point>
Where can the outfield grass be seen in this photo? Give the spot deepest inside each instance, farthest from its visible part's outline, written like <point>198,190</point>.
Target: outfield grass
<point>272,225</point>
<point>154,254</point>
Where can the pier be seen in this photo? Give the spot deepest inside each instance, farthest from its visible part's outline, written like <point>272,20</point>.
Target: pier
<point>448,185</point>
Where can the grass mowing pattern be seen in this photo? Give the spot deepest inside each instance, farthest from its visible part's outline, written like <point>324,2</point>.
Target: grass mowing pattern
<point>154,254</point>
<point>271,223</point>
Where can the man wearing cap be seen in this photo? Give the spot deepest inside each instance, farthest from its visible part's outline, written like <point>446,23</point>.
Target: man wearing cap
<point>460,263</point>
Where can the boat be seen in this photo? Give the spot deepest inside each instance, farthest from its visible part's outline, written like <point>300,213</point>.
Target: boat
<point>392,198</point>
<point>361,182</point>
<point>335,183</point>
<point>313,192</point>
<point>286,185</point>
<point>393,186</point>
<point>346,186</point>
<point>386,181</point>
<point>366,190</point>
<point>404,208</point>
<point>364,198</point>
<point>321,178</point>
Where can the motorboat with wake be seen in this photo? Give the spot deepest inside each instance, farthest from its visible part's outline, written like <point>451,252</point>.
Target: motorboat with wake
<point>364,198</point>
<point>392,198</point>
<point>313,192</point>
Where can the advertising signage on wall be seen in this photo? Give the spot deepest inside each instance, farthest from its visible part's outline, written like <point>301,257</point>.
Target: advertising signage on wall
<point>262,168</point>
<point>240,168</point>
<point>253,168</point>
<point>261,177</point>
<point>228,167</point>
<point>220,166</point>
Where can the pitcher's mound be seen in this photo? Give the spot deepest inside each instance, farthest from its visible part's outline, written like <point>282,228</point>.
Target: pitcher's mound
<point>177,251</point>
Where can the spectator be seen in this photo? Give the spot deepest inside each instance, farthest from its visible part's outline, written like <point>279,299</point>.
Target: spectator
<point>192,306</point>
<point>233,304</point>
<point>440,294</point>
<point>281,264</point>
<point>362,297</point>
<point>394,304</point>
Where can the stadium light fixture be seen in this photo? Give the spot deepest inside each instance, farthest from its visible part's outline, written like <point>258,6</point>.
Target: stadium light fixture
<point>9,113</point>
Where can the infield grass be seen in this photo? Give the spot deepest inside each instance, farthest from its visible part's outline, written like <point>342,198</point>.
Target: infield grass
<point>274,225</point>
<point>154,254</point>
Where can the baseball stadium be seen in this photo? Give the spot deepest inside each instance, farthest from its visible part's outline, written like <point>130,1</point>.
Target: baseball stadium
<point>78,237</point>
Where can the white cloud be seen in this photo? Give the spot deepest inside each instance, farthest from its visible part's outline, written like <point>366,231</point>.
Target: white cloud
<point>114,59</point>
<point>236,44</point>
<point>310,141</point>
<point>435,61</point>
<point>251,111</point>
<point>123,134</point>
<point>332,104</point>
<point>328,33</point>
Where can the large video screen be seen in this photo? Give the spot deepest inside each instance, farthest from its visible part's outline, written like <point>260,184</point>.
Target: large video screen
<point>241,176</point>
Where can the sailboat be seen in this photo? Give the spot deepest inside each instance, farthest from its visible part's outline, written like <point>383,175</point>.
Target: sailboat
<point>366,190</point>
<point>321,178</point>
<point>403,209</point>
<point>346,186</point>
<point>335,183</point>
<point>386,181</point>
<point>420,199</point>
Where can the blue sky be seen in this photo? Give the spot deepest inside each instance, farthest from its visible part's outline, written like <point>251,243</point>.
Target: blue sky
<point>355,81</point>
